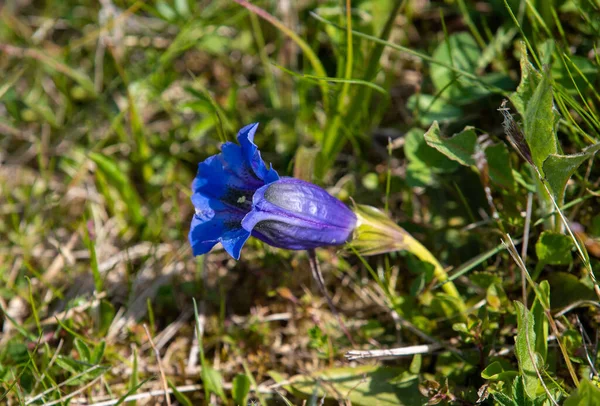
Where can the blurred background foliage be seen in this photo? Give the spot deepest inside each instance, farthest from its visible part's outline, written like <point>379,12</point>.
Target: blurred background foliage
<point>106,108</point>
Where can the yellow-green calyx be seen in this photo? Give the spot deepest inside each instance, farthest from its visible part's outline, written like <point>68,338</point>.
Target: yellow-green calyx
<point>376,233</point>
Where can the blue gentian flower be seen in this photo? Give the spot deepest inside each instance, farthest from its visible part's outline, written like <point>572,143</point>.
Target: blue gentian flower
<point>236,195</point>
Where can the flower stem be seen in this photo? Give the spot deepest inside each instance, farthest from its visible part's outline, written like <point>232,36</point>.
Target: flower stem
<point>318,276</point>
<point>418,249</point>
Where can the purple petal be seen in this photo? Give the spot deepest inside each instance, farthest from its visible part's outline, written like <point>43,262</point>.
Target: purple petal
<point>294,214</point>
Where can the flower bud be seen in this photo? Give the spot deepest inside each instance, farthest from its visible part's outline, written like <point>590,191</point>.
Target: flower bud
<point>293,214</point>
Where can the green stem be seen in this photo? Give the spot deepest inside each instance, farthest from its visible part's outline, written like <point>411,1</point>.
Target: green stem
<point>418,249</point>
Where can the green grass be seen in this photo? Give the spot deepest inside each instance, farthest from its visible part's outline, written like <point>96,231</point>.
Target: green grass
<point>106,108</point>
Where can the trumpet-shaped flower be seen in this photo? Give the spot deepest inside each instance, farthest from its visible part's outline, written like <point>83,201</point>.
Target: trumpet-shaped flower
<point>236,195</point>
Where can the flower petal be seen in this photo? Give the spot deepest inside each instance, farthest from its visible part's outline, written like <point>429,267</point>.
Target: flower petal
<point>294,214</point>
<point>222,194</point>
<point>252,154</point>
<point>215,222</point>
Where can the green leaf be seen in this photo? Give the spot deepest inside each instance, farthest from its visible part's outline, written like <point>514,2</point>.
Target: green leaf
<point>98,352</point>
<point>419,175</point>
<point>181,398</point>
<point>365,385</point>
<point>540,123</point>
<point>526,352</point>
<point>571,289</point>
<point>496,371</point>
<point>587,394</point>
<point>540,320</point>
<point>431,109</point>
<point>554,249</point>
<point>240,389</point>
<point>460,51</point>
<point>417,151</point>
<point>107,315</point>
<point>587,68</point>
<point>82,350</point>
<point>117,178</point>
<point>503,400</point>
<point>559,169</point>
<point>213,381</point>
<point>459,148</point>
<point>499,169</point>
<point>530,78</point>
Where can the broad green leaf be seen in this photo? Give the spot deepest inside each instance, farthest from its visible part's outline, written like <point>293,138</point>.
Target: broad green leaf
<point>525,350</point>
<point>503,400</point>
<point>431,109</point>
<point>365,385</point>
<point>540,320</point>
<point>119,181</point>
<point>417,151</point>
<point>559,169</point>
<point>459,148</point>
<point>554,248</point>
<point>571,289</point>
<point>419,175</point>
<point>583,66</point>
<point>460,51</point>
<point>530,78</point>
<point>213,381</point>
<point>499,169</point>
<point>240,389</point>
<point>540,123</point>
<point>520,397</point>
<point>588,394</point>
<point>496,371</point>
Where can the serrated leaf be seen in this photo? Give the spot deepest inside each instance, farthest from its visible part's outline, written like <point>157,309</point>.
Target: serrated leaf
<point>587,394</point>
<point>365,385</point>
<point>559,169</point>
<point>540,122</point>
<point>525,351</point>
<point>554,248</point>
<point>460,147</point>
<point>499,168</point>
<point>418,152</point>
<point>530,78</point>
<point>240,389</point>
